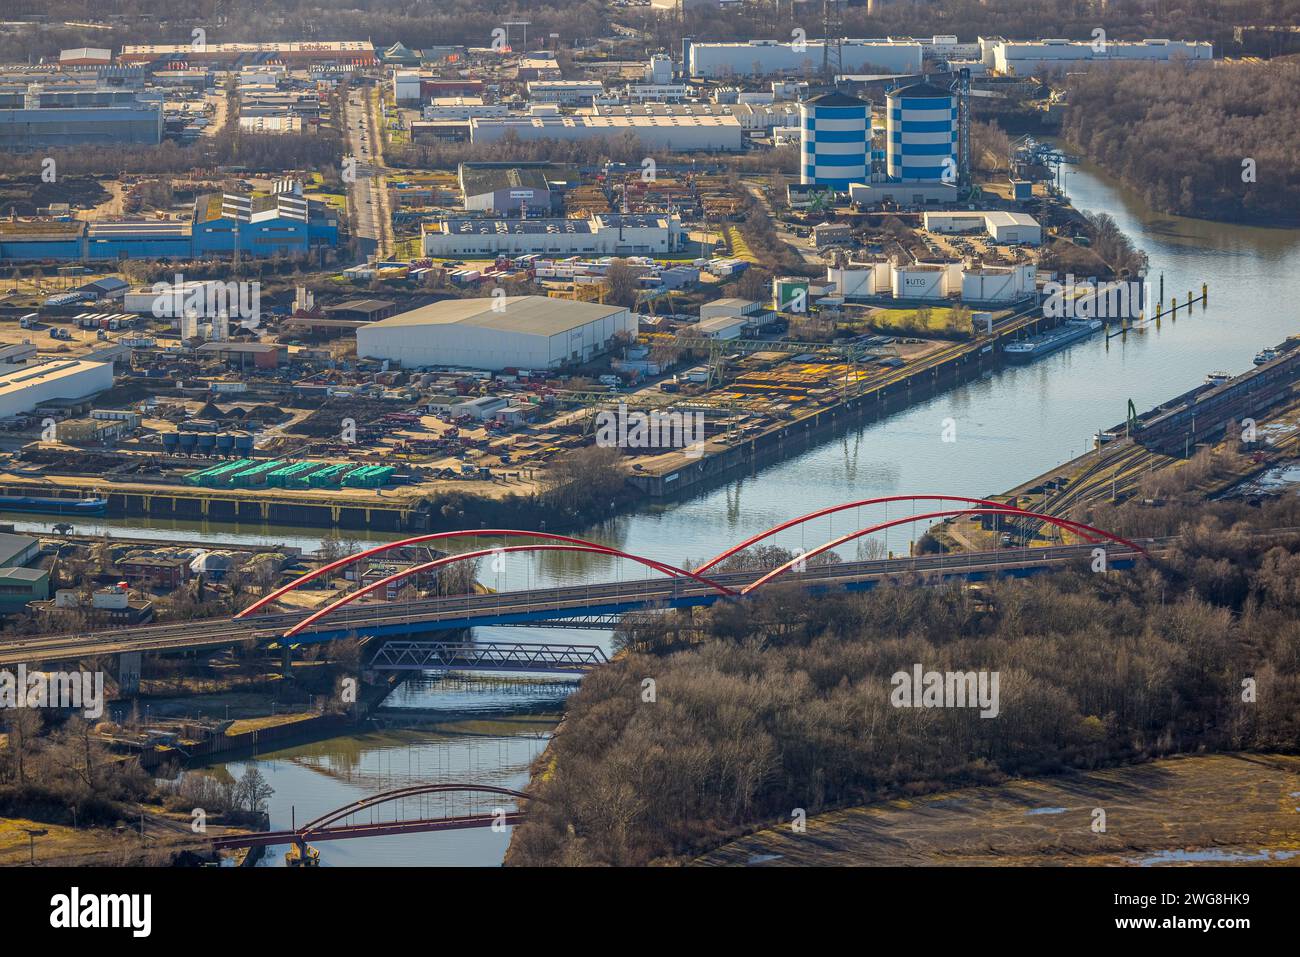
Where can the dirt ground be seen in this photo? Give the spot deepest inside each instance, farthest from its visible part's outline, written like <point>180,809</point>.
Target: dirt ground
<point>1213,809</point>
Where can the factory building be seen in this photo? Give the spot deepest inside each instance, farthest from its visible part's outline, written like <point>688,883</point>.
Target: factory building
<point>712,61</point>
<point>607,235</point>
<point>921,134</point>
<point>835,140</point>
<point>523,332</point>
<point>565,92</point>
<point>257,226</point>
<point>356,54</point>
<point>24,387</point>
<point>100,117</point>
<point>1025,58</point>
<point>671,133</point>
<point>506,187</point>
<point>461,108</point>
<point>1003,226</point>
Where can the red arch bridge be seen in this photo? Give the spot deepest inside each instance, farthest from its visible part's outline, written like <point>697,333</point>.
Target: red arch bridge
<point>502,810</point>
<point>599,604</point>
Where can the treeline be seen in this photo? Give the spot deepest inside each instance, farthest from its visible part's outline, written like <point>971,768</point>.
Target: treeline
<point>417,23</point>
<point>1213,20</point>
<point>1215,143</point>
<point>784,703</point>
<point>269,152</point>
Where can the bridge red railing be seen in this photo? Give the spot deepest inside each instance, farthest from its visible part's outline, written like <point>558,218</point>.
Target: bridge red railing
<point>1086,532</point>
<point>482,553</point>
<point>554,542</point>
<point>387,797</point>
<point>436,537</point>
<point>803,557</point>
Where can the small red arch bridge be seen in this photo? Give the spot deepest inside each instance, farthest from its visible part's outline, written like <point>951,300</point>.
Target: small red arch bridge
<point>502,810</point>
<point>599,604</point>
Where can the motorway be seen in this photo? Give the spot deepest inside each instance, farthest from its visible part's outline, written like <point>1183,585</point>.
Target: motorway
<point>517,607</point>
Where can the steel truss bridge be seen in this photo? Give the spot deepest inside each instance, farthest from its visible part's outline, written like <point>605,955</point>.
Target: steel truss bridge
<point>559,659</point>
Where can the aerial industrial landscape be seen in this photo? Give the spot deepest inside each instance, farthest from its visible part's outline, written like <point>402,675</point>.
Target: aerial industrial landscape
<point>645,433</point>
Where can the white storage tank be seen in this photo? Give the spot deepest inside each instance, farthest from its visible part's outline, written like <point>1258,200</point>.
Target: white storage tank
<point>918,282</point>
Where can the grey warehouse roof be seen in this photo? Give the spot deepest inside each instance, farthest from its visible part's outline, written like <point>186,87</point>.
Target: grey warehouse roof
<point>536,315</point>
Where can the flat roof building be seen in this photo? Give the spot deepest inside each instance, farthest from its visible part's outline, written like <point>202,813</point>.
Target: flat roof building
<point>607,235</point>
<point>525,332</point>
<point>23,388</point>
<point>711,61</point>
<point>1026,57</point>
<point>680,133</point>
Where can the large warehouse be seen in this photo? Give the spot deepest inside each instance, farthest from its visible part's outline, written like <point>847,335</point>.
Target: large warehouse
<point>715,61</point>
<point>23,388</point>
<point>519,332</point>
<point>679,133</point>
<point>609,234</point>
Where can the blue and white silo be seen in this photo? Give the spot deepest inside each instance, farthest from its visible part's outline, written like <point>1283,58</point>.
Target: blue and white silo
<point>921,134</point>
<point>835,141</point>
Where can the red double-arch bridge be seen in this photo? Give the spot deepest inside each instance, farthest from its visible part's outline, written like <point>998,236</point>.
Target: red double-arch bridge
<point>596,604</point>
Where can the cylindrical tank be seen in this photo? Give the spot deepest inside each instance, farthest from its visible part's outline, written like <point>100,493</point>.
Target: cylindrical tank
<point>225,443</point>
<point>188,440</point>
<point>170,441</point>
<point>243,442</point>
<point>836,140</point>
<point>921,133</point>
<point>207,443</point>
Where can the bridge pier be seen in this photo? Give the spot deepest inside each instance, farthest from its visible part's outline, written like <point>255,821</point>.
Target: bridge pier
<point>128,672</point>
<point>286,660</point>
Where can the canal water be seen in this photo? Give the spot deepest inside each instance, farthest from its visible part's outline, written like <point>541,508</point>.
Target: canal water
<point>1010,426</point>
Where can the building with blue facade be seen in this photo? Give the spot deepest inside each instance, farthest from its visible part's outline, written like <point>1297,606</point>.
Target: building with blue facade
<point>223,224</point>
<point>835,140</point>
<point>921,134</point>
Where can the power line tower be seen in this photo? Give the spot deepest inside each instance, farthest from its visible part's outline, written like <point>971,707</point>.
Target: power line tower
<point>832,37</point>
<point>961,86</point>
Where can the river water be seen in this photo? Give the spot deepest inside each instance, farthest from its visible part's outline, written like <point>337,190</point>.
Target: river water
<point>1011,426</point>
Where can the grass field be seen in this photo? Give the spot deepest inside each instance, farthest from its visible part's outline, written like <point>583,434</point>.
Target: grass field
<point>934,319</point>
<point>1221,808</point>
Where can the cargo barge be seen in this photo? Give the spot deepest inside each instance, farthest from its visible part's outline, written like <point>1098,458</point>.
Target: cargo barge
<point>1044,343</point>
<point>53,506</point>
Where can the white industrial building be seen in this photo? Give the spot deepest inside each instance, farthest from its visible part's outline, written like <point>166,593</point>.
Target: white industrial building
<point>520,332</point>
<point>448,108</point>
<point>933,281</point>
<point>712,61</point>
<point>678,133</point>
<point>1027,57</point>
<point>24,387</point>
<point>608,235</point>
<point>565,92</point>
<point>867,195</point>
<point>1003,226</point>
<point>406,87</point>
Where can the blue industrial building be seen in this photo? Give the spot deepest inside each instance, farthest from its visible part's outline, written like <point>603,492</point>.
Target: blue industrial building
<point>921,134</point>
<point>835,140</point>
<point>222,224</point>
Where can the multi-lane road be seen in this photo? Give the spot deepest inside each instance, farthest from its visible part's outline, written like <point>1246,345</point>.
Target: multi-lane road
<point>364,172</point>
<point>382,619</point>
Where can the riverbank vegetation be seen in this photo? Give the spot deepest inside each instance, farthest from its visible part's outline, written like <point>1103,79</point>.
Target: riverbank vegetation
<point>712,725</point>
<point>1212,142</point>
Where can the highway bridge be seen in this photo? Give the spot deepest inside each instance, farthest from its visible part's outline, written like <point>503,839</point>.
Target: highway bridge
<point>551,605</point>
<point>588,602</point>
